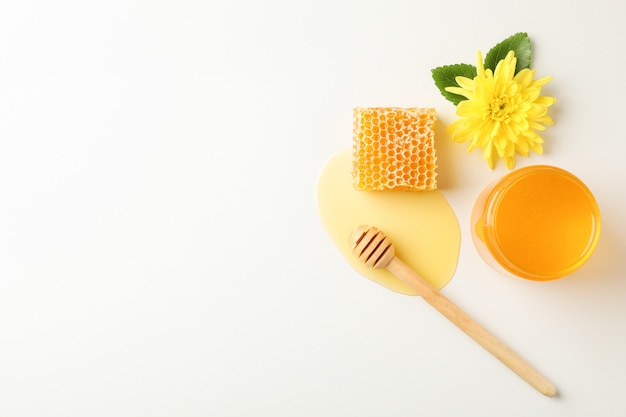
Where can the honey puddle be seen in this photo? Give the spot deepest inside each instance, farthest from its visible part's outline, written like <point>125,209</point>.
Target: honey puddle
<point>421,224</point>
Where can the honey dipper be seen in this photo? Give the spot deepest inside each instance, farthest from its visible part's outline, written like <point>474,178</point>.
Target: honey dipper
<point>375,250</point>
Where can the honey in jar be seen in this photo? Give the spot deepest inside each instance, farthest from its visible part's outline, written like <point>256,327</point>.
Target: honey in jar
<point>539,222</point>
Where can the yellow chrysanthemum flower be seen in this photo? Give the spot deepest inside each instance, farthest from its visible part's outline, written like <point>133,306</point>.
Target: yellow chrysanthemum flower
<point>502,111</point>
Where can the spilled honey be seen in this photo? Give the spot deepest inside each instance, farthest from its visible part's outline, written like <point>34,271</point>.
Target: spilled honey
<point>421,224</point>
<point>539,223</point>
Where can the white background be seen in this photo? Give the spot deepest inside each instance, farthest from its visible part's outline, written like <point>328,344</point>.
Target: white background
<point>160,250</point>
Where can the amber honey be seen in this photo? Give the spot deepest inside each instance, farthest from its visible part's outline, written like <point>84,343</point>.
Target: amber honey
<point>539,222</point>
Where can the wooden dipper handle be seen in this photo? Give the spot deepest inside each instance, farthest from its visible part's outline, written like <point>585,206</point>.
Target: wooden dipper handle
<point>375,249</point>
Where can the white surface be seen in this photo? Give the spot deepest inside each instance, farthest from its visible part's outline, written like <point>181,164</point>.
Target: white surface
<point>160,251</point>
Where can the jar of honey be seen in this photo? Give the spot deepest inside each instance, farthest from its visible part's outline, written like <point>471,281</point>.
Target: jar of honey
<point>539,222</point>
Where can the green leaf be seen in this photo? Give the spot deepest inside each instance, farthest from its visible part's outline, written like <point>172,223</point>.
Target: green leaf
<point>446,77</point>
<point>518,43</point>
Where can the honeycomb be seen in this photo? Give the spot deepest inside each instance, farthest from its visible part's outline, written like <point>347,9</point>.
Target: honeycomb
<point>393,149</point>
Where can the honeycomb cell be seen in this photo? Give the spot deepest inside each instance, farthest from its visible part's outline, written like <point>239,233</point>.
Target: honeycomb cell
<point>398,145</point>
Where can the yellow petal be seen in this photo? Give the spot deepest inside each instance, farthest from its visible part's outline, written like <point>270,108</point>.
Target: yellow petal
<point>510,162</point>
<point>506,67</point>
<point>480,67</point>
<point>541,82</point>
<point>465,82</point>
<point>524,77</point>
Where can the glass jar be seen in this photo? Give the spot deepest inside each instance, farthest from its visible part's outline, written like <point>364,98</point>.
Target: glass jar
<point>539,222</point>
